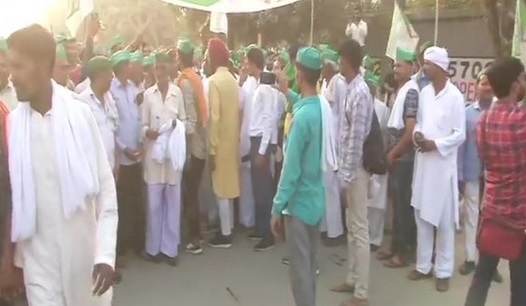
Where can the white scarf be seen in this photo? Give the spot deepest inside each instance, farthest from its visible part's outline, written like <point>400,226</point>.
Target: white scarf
<point>396,119</point>
<point>76,160</point>
<point>328,144</point>
<point>171,145</point>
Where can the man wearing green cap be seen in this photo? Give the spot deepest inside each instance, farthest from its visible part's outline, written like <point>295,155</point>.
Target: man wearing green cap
<point>130,184</point>
<point>196,109</point>
<point>99,99</point>
<point>355,125</point>
<point>162,111</point>
<point>299,204</point>
<point>401,158</point>
<point>378,192</point>
<point>333,89</point>
<point>137,70</point>
<point>62,68</point>
<point>148,64</point>
<point>7,90</point>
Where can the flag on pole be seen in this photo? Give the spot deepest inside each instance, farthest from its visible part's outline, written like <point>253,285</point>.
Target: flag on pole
<point>518,48</point>
<point>402,34</point>
<point>78,10</point>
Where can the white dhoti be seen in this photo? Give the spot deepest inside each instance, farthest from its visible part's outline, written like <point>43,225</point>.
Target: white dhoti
<point>376,210</point>
<point>247,212</point>
<point>333,221</point>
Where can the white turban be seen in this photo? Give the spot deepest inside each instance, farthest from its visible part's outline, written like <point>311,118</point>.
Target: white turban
<point>437,56</point>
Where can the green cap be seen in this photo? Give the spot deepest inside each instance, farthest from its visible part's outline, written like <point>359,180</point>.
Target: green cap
<point>329,55</point>
<point>120,57</point>
<point>310,57</point>
<point>148,61</point>
<point>482,73</point>
<point>185,46</point>
<point>162,58</point>
<point>3,44</point>
<point>61,53</point>
<point>372,79</point>
<point>249,47</point>
<point>136,57</point>
<point>424,46</point>
<point>404,56</point>
<point>97,65</point>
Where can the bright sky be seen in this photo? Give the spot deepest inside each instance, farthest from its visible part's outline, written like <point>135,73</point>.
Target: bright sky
<point>16,14</point>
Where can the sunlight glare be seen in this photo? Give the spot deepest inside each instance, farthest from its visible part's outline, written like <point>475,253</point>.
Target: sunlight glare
<point>16,14</point>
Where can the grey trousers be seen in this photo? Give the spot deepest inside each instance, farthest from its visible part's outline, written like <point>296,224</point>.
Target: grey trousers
<point>302,240</point>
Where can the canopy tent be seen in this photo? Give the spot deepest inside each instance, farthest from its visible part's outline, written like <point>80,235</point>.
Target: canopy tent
<point>239,6</point>
<point>231,6</point>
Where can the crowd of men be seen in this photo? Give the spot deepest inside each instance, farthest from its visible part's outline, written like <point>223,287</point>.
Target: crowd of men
<point>114,150</point>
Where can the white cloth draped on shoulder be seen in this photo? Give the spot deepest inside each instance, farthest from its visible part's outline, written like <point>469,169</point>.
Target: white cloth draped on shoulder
<point>396,119</point>
<point>77,164</point>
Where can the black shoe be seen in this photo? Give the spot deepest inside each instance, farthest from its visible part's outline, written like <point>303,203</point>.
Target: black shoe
<point>172,261</point>
<point>373,248</point>
<point>285,261</point>
<point>333,242</point>
<point>264,245</point>
<point>194,249</point>
<point>221,242</point>
<point>255,236</point>
<point>466,268</point>
<point>151,258</point>
<point>497,277</point>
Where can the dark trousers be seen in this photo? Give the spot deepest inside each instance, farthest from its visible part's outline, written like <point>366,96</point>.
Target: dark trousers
<point>132,210</point>
<point>404,228</point>
<point>486,268</point>
<point>262,188</point>
<point>191,182</point>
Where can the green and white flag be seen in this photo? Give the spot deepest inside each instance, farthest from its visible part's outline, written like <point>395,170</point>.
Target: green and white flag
<point>231,6</point>
<point>78,10</point>
<point>402,34</point>
<point>519,32</point>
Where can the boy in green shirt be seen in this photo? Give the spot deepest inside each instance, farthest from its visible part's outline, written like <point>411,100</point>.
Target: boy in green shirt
<point>300,199</point>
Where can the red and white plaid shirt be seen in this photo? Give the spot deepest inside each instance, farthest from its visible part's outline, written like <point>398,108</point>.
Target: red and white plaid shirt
<point>501,136</point>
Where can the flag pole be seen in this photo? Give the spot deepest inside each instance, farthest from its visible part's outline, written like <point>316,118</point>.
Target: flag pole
<point>311,22</point>
<point>436,21</point>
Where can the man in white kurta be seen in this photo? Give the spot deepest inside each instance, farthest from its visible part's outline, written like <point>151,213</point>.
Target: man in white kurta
<point>57,269</point>
<point>333,89</point>
<point>163,106</point>
<point>439,132</point>
<point>377,183</point>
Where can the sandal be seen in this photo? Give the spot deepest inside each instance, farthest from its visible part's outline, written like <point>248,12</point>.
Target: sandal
<point>395,263</point>
<point>384,255</point>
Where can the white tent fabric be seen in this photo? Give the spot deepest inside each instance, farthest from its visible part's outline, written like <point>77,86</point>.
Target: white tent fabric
<point>231,6</point>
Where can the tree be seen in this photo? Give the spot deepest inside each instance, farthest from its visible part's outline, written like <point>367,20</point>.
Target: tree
<point>500,19</point>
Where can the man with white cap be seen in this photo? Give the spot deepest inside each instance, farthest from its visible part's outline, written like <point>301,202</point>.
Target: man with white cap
<point>438,133</point>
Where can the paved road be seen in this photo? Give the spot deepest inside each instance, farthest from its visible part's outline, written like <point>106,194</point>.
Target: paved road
<point>259,279</point>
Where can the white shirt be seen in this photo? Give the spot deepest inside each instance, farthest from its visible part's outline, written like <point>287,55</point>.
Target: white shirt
<point>107,119</point>
<point>82,86</point>
<point>263,114</point>
<point>155,113</point>
<point>357,32</point>
<point>8,96</point>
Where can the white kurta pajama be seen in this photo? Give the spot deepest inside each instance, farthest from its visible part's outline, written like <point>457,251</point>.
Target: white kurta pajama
<point>378,185</point>
<point>163,234</point>
<point>441,118</point>
<point>334,93</point>
<point>57,268</point>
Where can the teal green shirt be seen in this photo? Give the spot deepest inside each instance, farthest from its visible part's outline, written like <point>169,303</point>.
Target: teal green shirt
<point>301,190</point>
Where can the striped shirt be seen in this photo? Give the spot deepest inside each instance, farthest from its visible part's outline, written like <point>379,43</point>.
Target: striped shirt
<point>354,128</point>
